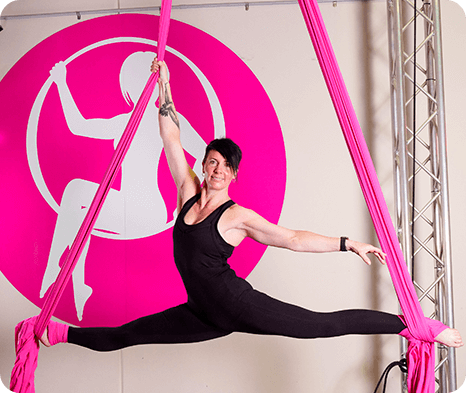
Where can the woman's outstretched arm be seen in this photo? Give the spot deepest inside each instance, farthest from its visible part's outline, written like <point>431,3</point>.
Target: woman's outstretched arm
<point>247,223</point>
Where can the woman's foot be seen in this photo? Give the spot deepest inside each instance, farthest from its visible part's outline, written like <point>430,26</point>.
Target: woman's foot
<point>45,339</point>
<point>55,333</point>
<point>450,338</point>
<point>442,333</point>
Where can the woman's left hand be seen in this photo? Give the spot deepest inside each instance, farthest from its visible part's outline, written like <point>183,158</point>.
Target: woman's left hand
<point>363,250</point>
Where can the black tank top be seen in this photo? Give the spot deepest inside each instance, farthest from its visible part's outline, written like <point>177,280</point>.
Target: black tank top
<point>201,256</point>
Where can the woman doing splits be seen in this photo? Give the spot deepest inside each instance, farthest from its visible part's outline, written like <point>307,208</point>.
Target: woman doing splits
<point>208,228</point>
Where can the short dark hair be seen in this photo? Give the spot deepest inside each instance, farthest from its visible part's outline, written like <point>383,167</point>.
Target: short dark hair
<point>230,151</point>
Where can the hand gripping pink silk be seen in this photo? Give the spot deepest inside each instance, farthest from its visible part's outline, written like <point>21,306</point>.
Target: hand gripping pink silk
<point>28,332</point>
<point>421,355</point>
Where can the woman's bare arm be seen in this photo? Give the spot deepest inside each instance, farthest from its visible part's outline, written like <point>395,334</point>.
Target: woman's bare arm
<point>250,224</point>
<point>186,184</point>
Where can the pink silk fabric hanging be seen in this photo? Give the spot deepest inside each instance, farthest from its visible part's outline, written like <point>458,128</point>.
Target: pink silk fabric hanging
<point>28,331</point>
<point>421,350</point>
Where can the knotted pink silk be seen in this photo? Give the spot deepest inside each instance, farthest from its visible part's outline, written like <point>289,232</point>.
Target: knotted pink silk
<point>421,355</point>
<point>27,332</point>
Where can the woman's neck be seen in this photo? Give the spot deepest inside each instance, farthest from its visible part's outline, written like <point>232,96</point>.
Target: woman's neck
<point>213,197</point>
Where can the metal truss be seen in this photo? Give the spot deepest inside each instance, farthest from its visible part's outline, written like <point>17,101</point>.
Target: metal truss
<point>420,164</point>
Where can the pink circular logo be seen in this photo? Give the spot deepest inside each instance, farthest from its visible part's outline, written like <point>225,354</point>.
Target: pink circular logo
<point>63,108</point>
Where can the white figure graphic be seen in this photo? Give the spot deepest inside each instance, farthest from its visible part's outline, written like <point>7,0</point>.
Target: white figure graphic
<point>137,210</point>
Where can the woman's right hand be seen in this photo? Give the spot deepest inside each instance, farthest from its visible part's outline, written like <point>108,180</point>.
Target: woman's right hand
<point>160,66</point>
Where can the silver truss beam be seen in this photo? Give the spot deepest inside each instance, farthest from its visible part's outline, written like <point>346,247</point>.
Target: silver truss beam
<point>156,9</point>
<point>420,164</point>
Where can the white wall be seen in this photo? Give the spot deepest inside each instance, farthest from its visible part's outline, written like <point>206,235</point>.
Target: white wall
<point>322,195</point>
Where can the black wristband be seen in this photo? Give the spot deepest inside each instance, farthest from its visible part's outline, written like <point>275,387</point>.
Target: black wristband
<point>343,243</point>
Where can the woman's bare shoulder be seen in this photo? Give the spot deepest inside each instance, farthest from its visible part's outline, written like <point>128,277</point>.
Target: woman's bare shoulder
<point>233,223</point>
<point>240,214</point>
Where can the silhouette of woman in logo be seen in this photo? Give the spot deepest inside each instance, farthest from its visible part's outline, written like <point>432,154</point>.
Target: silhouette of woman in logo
<point>138,209</point>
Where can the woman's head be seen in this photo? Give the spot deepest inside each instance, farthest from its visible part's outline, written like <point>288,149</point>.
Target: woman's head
<point>228,149</point>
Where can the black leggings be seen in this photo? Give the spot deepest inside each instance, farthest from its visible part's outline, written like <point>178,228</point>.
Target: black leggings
<point>260,314</point>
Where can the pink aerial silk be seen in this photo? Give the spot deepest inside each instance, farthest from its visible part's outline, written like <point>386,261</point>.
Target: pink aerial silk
<point>421,355</point>
<point>28,331</point>
<point>421,350</point>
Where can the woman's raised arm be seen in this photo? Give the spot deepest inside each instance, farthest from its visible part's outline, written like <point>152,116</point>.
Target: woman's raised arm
<point>186,184</point>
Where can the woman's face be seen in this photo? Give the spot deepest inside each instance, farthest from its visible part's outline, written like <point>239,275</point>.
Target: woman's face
<point>218,173</point>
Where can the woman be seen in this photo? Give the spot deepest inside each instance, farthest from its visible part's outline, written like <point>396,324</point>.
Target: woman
<point>208,227</point>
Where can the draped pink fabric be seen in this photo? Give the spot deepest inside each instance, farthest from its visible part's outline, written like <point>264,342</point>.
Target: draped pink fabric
<point>421,349</point>
<point>421,355</point>
<point>28,331</point>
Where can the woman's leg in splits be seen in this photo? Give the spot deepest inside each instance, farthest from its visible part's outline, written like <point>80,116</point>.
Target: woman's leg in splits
<point>265,315</point>
<point>175,325</point>
<point>261,314</point>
